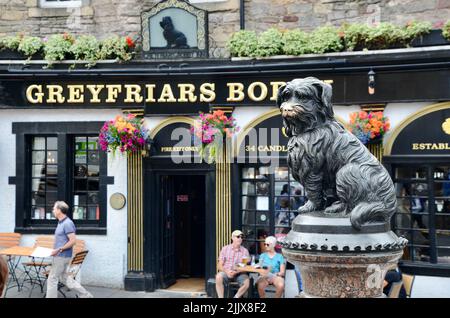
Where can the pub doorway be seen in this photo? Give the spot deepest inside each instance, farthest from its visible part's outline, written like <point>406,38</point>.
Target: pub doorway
<point>183,244</point>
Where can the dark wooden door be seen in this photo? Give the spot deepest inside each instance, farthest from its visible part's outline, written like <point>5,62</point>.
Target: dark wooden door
<point>167,265</point>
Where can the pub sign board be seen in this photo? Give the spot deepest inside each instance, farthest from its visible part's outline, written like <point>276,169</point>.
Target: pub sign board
<point>427,135</point>
<point>187,94</point>
<point>174,29</point>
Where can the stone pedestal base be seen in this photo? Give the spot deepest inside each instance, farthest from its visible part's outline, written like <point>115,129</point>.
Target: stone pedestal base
<point>343,276</point>
<point>336,260</point>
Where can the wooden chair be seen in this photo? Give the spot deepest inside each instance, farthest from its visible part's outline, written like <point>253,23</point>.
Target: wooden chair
<point>37,271</point>
<point>408,281</point>
<point>394,292</point>
<point>74,268</point>
<point>9,240</point>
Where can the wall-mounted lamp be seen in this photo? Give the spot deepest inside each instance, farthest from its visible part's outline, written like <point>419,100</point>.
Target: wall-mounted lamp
<point>148,147</point>
<point>371,85</point>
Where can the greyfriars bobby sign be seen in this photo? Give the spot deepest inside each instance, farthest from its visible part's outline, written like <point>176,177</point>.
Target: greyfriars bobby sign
<point>174,29</point>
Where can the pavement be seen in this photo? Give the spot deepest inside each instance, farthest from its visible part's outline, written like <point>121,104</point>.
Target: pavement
<point>424,287</point>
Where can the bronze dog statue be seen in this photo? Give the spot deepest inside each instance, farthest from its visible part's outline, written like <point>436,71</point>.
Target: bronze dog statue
<point>324,156</point>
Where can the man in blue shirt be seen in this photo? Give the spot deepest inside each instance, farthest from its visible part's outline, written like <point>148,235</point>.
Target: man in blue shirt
<point>62,254</point>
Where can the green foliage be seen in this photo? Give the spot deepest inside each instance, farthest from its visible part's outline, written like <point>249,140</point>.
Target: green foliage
<point>115,47</point>
<point>86,47</point>
<point>325,39</point>
<point>30,45</point>
<point>58,47</point>
<point>270,43</point>
<point>446,30</point>
<point>296,42</point>
<point>354,35</point>
<point>382,36</point>
<point>415,29</point>
<point>11,42</point>
<point>243,43</point>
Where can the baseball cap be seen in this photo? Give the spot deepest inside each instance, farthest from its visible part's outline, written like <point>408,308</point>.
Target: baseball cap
<point>236,233</point>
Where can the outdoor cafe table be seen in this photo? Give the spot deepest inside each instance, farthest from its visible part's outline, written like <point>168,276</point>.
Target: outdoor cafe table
<point>252,269</point>
<point>14,255</point>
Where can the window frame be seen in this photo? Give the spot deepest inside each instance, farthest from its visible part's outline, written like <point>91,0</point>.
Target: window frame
<point>272,195</point>
<point>46,4</point>
<point>65,132</point>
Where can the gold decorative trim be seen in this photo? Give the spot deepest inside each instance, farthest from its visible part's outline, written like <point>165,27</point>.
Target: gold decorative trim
<point>271,113</point>
<point>376,150</point>
<point>139,112</point>
<point>135,213</point>
<point>198,13</point>
<point>373,107</point>
<point>171,120</point>
<point>223,202</point>
<point>408,120</point>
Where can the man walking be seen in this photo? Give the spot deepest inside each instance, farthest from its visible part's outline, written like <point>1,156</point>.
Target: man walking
<point>62,254</point>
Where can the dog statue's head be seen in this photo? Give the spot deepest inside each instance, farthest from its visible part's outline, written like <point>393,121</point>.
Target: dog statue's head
<point>166,23</point>
<point>305,103</point>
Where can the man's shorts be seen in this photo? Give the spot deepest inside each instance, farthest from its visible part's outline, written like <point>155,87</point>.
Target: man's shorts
<point>240,278</point>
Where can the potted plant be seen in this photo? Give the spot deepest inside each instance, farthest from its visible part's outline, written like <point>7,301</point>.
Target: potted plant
<point>212,131</point>
<point>119,48</point>
<point>434,36</point>
<point>9,46</point>
<point>369,127</point>
<point>126,134</point>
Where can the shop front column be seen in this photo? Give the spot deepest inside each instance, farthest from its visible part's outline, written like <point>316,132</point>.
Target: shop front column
<point>135,279</point>
<point>223,201</point>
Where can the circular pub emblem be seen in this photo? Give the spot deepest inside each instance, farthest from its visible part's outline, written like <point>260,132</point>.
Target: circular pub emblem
<point>446,126</point>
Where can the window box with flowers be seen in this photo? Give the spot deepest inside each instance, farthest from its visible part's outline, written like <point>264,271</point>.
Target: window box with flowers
<point>59,48</point>
<point>212,131</point>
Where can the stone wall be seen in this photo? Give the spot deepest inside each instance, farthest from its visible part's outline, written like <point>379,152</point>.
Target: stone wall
<point>105,17</point>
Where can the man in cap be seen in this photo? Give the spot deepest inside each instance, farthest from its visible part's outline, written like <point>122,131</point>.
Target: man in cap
<point>229,257</point>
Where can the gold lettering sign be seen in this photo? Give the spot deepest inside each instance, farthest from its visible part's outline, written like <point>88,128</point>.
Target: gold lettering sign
<point>136,93</point>
<point>273,148</point>
<point>430,146</point>
<point>186,148</point>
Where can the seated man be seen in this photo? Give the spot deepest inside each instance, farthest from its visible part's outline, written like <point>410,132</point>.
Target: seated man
<point>276,265</point>
<point>229,257</point>
<point>393,276</point>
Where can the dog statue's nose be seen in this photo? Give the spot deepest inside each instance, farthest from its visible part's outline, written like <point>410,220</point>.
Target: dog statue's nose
<point>286,108</point>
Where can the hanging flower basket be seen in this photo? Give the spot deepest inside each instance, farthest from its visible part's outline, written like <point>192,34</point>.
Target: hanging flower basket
<point>212,130</point>
<point>124,134</point>
<point>369,127</point>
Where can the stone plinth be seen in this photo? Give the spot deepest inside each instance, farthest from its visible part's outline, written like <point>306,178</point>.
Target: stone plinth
<point>336,260</point>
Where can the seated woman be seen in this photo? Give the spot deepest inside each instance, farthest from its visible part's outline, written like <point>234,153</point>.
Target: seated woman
<point>276,264</point>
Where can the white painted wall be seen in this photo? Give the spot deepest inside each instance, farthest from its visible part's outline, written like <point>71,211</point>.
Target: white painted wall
<point>105,264</point>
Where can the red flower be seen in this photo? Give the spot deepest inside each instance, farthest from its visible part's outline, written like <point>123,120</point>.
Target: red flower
<point>130,42</point>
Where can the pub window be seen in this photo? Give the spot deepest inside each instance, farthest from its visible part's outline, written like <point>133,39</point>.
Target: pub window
<point>60,161</point>
<point>44,176</point>
<point>423,212</point>
<point>86,172</point>
<point>60,3</point>
<point>269,203</point>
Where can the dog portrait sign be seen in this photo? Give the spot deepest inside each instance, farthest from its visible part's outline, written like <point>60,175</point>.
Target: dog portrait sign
<point>174,29</point>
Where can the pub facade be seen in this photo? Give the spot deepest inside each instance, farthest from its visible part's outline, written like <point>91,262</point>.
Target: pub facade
<point>150,219</point>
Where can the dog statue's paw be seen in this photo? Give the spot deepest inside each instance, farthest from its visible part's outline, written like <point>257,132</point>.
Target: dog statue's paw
<point>308,207</point>
<point>336,207</point>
